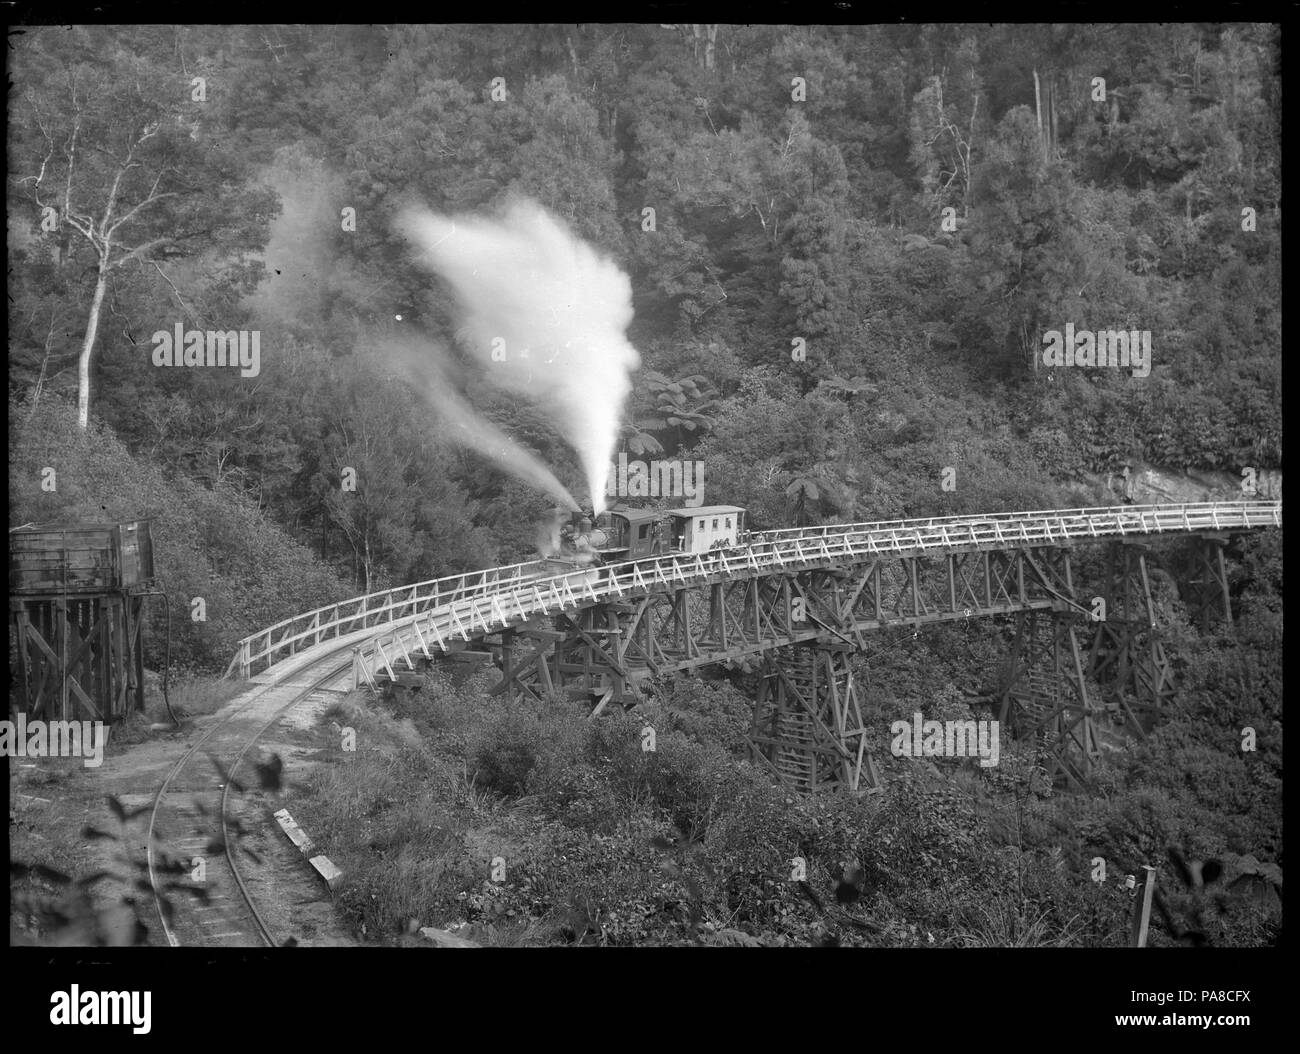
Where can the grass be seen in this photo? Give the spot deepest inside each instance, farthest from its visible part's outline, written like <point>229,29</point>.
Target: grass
<point>1004,925</point>
<point>40,800</point>
<point>194,695</point>
<point>49,803</point>
<point>530,933</point>
<point>387,814</point>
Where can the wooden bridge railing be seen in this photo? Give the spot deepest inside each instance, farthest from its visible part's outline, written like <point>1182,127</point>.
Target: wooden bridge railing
<point>1185,517</point>
<point>264,649</point>
<point>490,610</point>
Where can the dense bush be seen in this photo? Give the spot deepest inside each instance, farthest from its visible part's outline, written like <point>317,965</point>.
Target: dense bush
<point>519,741</point>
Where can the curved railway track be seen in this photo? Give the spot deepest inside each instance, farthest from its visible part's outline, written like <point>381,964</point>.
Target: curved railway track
<point>191,819</point>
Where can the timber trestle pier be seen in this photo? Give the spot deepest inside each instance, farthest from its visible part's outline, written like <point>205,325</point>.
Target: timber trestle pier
<point>795,605</point>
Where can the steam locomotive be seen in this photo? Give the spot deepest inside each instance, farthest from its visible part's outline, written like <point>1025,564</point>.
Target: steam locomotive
<point>621,533</point>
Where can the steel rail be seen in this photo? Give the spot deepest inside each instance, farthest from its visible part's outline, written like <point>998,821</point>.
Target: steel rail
<point>189,756</point>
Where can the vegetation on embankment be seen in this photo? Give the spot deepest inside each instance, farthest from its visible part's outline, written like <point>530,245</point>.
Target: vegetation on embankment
<point>594,840</point>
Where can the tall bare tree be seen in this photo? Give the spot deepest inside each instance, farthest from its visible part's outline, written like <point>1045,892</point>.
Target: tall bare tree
<point>109,146</point>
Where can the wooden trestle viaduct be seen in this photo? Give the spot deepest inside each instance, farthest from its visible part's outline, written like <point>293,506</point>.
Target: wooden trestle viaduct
<point>795,604</point>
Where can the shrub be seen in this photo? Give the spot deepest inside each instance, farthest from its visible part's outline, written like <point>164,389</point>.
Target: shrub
<point>517,737</point>
<point>706,712</point>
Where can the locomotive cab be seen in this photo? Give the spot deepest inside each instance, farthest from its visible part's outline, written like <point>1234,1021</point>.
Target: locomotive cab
<point>644,531</point>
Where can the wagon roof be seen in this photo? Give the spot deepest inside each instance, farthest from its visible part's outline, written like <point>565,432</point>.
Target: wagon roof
<point>705,510</point>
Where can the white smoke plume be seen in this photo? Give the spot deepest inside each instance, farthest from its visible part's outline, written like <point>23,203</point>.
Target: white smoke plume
<point>426,367</point>
<point>554,307</point>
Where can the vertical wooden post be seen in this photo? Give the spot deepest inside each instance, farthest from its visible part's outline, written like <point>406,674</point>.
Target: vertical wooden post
<point>507,657</point>
<point>587,615</point>
<point>543,670</point>
<point>138,659</point>
<point>61,629</point>
<point>1142,908</point>
<point>756,717</point>
<point>616,646</point>
<point>124,641</point>
<point>126,634</point>
<point>22,622</point>
<point>102,657</point>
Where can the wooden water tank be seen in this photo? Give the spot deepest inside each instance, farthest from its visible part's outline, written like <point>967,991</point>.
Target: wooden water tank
<point>104,558</point>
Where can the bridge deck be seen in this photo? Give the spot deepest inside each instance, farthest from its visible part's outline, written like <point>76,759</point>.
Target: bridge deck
<point>434,616</point>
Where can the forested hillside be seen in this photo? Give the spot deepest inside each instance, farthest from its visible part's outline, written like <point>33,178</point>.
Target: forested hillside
<point>799,178</point>
<point>848,249</point>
